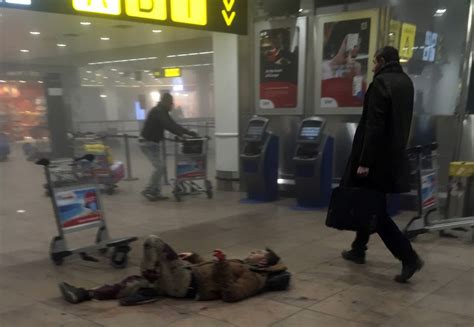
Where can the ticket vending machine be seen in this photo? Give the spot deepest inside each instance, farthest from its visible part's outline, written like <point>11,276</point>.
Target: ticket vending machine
<point>259,161</point>
<point>313,162</point>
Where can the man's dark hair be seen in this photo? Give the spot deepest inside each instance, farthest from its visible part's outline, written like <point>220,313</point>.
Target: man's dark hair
<point>389,54</point>
<point>272,257</point>
<point>166,99</point>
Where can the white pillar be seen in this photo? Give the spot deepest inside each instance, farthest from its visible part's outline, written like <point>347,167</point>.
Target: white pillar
<point>226,100</point>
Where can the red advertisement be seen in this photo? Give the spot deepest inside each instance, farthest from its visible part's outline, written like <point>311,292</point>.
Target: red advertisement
<point>278,68</point>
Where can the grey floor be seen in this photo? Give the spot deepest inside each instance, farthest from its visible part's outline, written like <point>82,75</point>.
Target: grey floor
<point>326,291</point>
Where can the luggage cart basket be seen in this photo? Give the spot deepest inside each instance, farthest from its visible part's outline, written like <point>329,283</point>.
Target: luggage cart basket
<point>424,160</point>
<point>191,167</point>
<point>77,206</point>
<point>107,172</point>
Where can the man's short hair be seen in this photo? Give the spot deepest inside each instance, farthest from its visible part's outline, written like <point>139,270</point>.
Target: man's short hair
<point>272,257</point>
<point>389,54</point>
<point>167,98</point>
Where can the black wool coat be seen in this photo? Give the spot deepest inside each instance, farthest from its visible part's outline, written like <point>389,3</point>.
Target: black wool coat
<point>381,138</point>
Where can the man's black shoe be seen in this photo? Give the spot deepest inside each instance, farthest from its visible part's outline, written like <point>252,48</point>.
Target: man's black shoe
<point>73,294</point>
<point>354,256</point>
<point>409,270</point>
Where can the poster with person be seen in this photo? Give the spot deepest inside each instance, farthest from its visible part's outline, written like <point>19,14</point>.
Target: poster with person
<point>279,56</point>
<point>347,44</point>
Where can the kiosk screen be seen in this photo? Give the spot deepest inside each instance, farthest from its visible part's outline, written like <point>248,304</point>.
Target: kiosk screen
<point>311,131</point>
<point>255,131</point>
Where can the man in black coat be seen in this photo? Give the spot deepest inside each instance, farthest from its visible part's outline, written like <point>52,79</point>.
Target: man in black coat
<point>378,159</point>
<point>157,121</point>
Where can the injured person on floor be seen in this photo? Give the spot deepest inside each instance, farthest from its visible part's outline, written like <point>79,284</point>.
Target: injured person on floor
<point>187,275</point>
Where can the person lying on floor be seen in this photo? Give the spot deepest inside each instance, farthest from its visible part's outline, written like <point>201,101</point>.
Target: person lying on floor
<point>187,275</point>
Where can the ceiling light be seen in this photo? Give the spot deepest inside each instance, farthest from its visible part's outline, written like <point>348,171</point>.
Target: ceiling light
<point>40,82</point>
<point>88,72</point>
<point>98,75</point>
<point>122,60</point>
<point>35,33</point>
<point>85,79</point>
<point>22,82</point>
<point>114,69</point>
<point>61,45</point>
<point>21,211</point>
<point>86,23</point>
<point>121,73</point>
<point>440,12</point>
<point>157,31</point>
<point>19,2</point>
<point>24,50</point>
<point>2,81</point>
<point>104,38</point>
<point>301,10</point>
<point>103,96</point>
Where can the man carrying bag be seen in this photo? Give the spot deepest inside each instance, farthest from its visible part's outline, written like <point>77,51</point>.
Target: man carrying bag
<point>378,165</point>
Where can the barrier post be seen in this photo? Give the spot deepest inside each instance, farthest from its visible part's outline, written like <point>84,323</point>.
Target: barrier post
<point>128,159</point>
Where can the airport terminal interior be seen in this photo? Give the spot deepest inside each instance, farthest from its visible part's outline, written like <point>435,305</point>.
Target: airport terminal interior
<point>271,93</point>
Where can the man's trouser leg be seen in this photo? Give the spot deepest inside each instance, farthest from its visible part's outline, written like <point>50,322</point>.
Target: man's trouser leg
<point>395,240</point>
<point>174,274</point>
<point>359,246</point>
<point>122,289</point>
<point>152,151</point>
<point>397,243</point>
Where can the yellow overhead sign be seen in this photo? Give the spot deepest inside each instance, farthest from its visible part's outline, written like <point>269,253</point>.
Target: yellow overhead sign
<point>167,72</point>
<point>172,72</point>
<point>226,16</point>
<point>148,9</point>
<point>107,7</point>
<point>189,12</point>
<point>407,40</point>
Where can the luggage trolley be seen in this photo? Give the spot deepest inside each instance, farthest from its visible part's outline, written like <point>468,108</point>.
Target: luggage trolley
<point>190,167</point>
<point>425,164</point>
<point>76,203</point>
<point>107,172</point>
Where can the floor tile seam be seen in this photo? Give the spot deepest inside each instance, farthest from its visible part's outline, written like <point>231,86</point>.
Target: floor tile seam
<point>287,317</point>
<point>433,291</point>
<point>339,317</point>
<point>444,311</point>
<point>206,316</point>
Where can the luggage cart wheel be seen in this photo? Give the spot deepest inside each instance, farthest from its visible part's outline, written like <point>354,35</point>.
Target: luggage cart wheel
<point>177,197</point>
<point>119,258</point>
<point>110,190</point>
<point>209,191</point>
<point>57,259</point>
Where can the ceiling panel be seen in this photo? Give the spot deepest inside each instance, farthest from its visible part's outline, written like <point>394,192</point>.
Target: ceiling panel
<point>16,25</point>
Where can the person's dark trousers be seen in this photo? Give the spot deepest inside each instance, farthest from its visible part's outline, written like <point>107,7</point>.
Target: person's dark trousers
<point>393,238</point>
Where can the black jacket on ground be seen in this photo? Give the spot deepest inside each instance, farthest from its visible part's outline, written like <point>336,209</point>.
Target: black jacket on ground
<point>159,120</point>
<point>382,135</point>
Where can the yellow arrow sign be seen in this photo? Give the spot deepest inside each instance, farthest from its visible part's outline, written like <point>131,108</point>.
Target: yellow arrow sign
<point>228,4</point>
<point>228,19</point>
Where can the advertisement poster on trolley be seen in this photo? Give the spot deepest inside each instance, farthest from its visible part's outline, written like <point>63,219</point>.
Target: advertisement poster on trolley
<point>428,190</point>
<point>78,207</point>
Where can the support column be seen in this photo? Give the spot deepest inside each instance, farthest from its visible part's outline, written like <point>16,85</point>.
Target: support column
<point>226,99</point>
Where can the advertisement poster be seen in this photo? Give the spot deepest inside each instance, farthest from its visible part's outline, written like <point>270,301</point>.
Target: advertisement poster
<point>78,207</point>
<point>190,168</point>
<point>428,190</point>
<point>345,65</point>
<point>279,55</point>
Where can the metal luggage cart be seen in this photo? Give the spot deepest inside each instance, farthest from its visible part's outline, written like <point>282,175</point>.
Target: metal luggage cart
<point>75,198</point>
<point>424,161</point>
<point>191,167</point>
<point>108,174</point>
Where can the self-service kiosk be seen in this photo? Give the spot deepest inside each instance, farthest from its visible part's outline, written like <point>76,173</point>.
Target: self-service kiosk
<point>260,161</point>
<point>313,164</point>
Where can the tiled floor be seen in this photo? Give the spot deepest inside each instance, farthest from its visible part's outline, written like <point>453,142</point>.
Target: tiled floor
<point>326,291</point>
